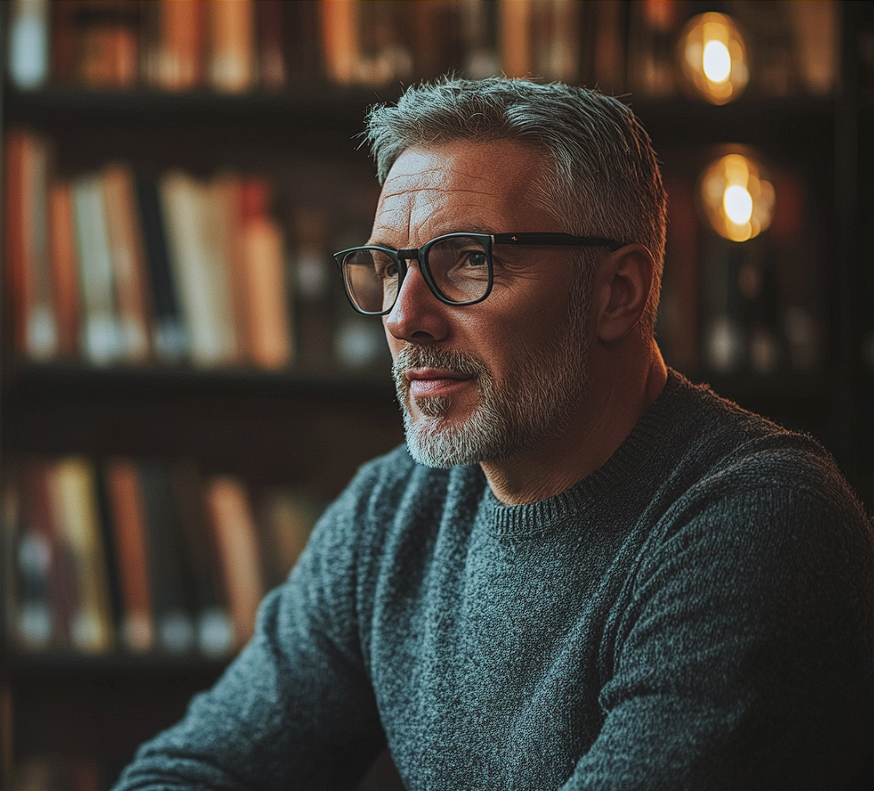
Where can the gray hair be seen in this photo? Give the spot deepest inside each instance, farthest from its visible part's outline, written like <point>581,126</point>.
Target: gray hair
<point>604,180</point>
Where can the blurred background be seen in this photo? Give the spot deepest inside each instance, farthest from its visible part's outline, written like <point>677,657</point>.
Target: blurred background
<point>183,384</point>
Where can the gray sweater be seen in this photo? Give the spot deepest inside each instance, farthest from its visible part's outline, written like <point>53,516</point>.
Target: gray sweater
<point>696,614</point>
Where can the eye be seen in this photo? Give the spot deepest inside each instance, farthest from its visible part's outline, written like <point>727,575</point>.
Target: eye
<point>390,270</point>
<point>474,258</point>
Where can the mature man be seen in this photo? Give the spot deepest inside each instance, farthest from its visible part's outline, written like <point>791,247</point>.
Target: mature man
<point>582,571</point>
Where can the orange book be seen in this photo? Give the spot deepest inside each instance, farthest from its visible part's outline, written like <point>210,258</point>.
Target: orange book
<point>181,56</point>
<point>515,36</point>
<point>34,327</point>
<point>231,45</point>
<point>64,266</point>
<point>127,511</point>
<point>235,535</point>
<point>128,261</point>
<point>263,260</point>
<point>340,28</point>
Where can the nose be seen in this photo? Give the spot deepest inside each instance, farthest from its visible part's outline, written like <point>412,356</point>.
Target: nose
<point>417,315</point>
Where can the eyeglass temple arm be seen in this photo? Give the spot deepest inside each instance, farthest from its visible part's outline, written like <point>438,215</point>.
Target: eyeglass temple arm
<point>548,239</point>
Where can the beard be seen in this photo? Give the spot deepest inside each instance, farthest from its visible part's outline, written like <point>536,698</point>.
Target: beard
<point>524,412</point>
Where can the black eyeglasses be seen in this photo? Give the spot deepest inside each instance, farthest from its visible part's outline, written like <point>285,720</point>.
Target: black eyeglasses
<point>457,267</point>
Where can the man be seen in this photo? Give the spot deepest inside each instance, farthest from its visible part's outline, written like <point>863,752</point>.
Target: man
<point>582,571</point>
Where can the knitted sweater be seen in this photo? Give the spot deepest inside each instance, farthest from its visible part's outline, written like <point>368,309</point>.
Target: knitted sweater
<point>696,614</point>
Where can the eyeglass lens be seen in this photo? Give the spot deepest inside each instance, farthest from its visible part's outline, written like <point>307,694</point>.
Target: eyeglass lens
<point>458,265</point>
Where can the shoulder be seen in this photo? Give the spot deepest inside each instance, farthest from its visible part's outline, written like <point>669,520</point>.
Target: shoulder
<point>392,494</point>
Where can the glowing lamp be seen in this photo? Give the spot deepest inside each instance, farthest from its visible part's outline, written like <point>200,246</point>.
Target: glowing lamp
<point>737,198</point>
<point>713,57</point>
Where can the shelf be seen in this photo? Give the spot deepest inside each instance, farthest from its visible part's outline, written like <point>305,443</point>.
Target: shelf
<point>325,106</point>
<point>268,428</point>
<point>73,379</point>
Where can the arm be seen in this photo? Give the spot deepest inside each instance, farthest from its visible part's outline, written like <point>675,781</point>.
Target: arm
<point>295,709</point>
<point>744,660</point>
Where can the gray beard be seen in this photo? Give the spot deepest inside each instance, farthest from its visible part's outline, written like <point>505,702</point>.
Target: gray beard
<point>524,413</point>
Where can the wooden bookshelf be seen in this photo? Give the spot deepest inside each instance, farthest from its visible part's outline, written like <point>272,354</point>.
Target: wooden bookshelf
<point>309,424</point>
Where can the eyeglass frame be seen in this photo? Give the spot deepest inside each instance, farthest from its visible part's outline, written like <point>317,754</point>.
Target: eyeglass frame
<point>400,257</point>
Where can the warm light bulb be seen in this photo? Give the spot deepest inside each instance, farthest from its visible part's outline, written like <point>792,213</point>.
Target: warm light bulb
<point>713,57</point>
<point>737,197</point>
<point>738,204</point>
<point>716,61</point>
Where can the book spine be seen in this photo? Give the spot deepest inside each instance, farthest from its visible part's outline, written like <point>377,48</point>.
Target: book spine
<point>232,45</point>
<point>100,331</point>
<point>235,534</point>
<point>64,266</point>
<point>29,43</point>
<point>170,335</point>
<point>171,596</point>
<point>127,512</point>
<point>74,501</point>
<point>128,262</point>
<point>203,287</point>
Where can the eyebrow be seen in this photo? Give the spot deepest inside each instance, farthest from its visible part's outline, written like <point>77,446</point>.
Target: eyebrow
<point>473,228</point>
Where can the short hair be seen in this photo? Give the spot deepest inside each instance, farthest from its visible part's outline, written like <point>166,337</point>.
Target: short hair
<point>604,180</point>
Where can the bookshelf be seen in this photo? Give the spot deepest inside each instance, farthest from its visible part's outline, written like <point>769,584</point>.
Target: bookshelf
<point>296,424</point>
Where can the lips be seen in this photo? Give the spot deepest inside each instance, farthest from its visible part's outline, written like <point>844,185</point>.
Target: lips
<point>433,382</point>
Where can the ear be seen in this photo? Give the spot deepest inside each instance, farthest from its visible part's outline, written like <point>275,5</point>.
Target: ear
<point>624,286</point>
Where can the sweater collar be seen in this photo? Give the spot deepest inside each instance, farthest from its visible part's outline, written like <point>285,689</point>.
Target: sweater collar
<point>591,497</point>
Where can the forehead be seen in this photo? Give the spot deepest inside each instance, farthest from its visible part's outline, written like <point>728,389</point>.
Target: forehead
<point>460,186</point>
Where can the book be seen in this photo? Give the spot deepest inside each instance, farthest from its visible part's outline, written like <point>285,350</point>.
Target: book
<point>64,266</point>
<point>169,582</point>
<point>285,520</point>
<point>27,544</point>
<point>107,46</point>
<point>653,32</point>
<point>267,309</point>
<point>231,50</point>
<point>35,332</point>
<point>234,531</point>
<point>128,519</point>
<point>270,29</point>
<point>74,502</point>
<point>214,630</point>
<point>179,47</point>
<point>340,27</point>
<point>515,37</point>
<point>28,51</point>
<point>169,332</point>
<point>100,332</point>
<point>555,39</point>
<point>198,269</point>
<point>128,262</point>
<point>311,280</point>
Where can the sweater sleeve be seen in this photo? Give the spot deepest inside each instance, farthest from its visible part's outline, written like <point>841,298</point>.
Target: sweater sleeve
<point>744,657</point>
<point>295,709</point>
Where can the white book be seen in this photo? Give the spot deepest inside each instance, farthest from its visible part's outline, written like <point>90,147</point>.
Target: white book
<point>101,337</point>
<point>198,269</point>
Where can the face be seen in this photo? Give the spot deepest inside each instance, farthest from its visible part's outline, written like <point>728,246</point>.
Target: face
<point>485,382</point>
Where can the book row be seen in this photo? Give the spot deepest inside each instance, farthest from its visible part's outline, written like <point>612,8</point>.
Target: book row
<point>144,555</point>
<point>117,266</point>
<point>242,45</point>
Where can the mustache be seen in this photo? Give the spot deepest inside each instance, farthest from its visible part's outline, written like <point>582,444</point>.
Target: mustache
<point>426,357</point>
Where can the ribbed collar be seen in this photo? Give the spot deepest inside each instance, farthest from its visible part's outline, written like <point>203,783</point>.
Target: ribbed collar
<point>596,493</point>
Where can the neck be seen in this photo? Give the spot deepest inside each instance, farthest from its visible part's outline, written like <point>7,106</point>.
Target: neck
<point>624,384</point>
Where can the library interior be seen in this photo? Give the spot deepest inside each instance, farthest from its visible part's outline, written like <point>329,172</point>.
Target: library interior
<point>183,386</point>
